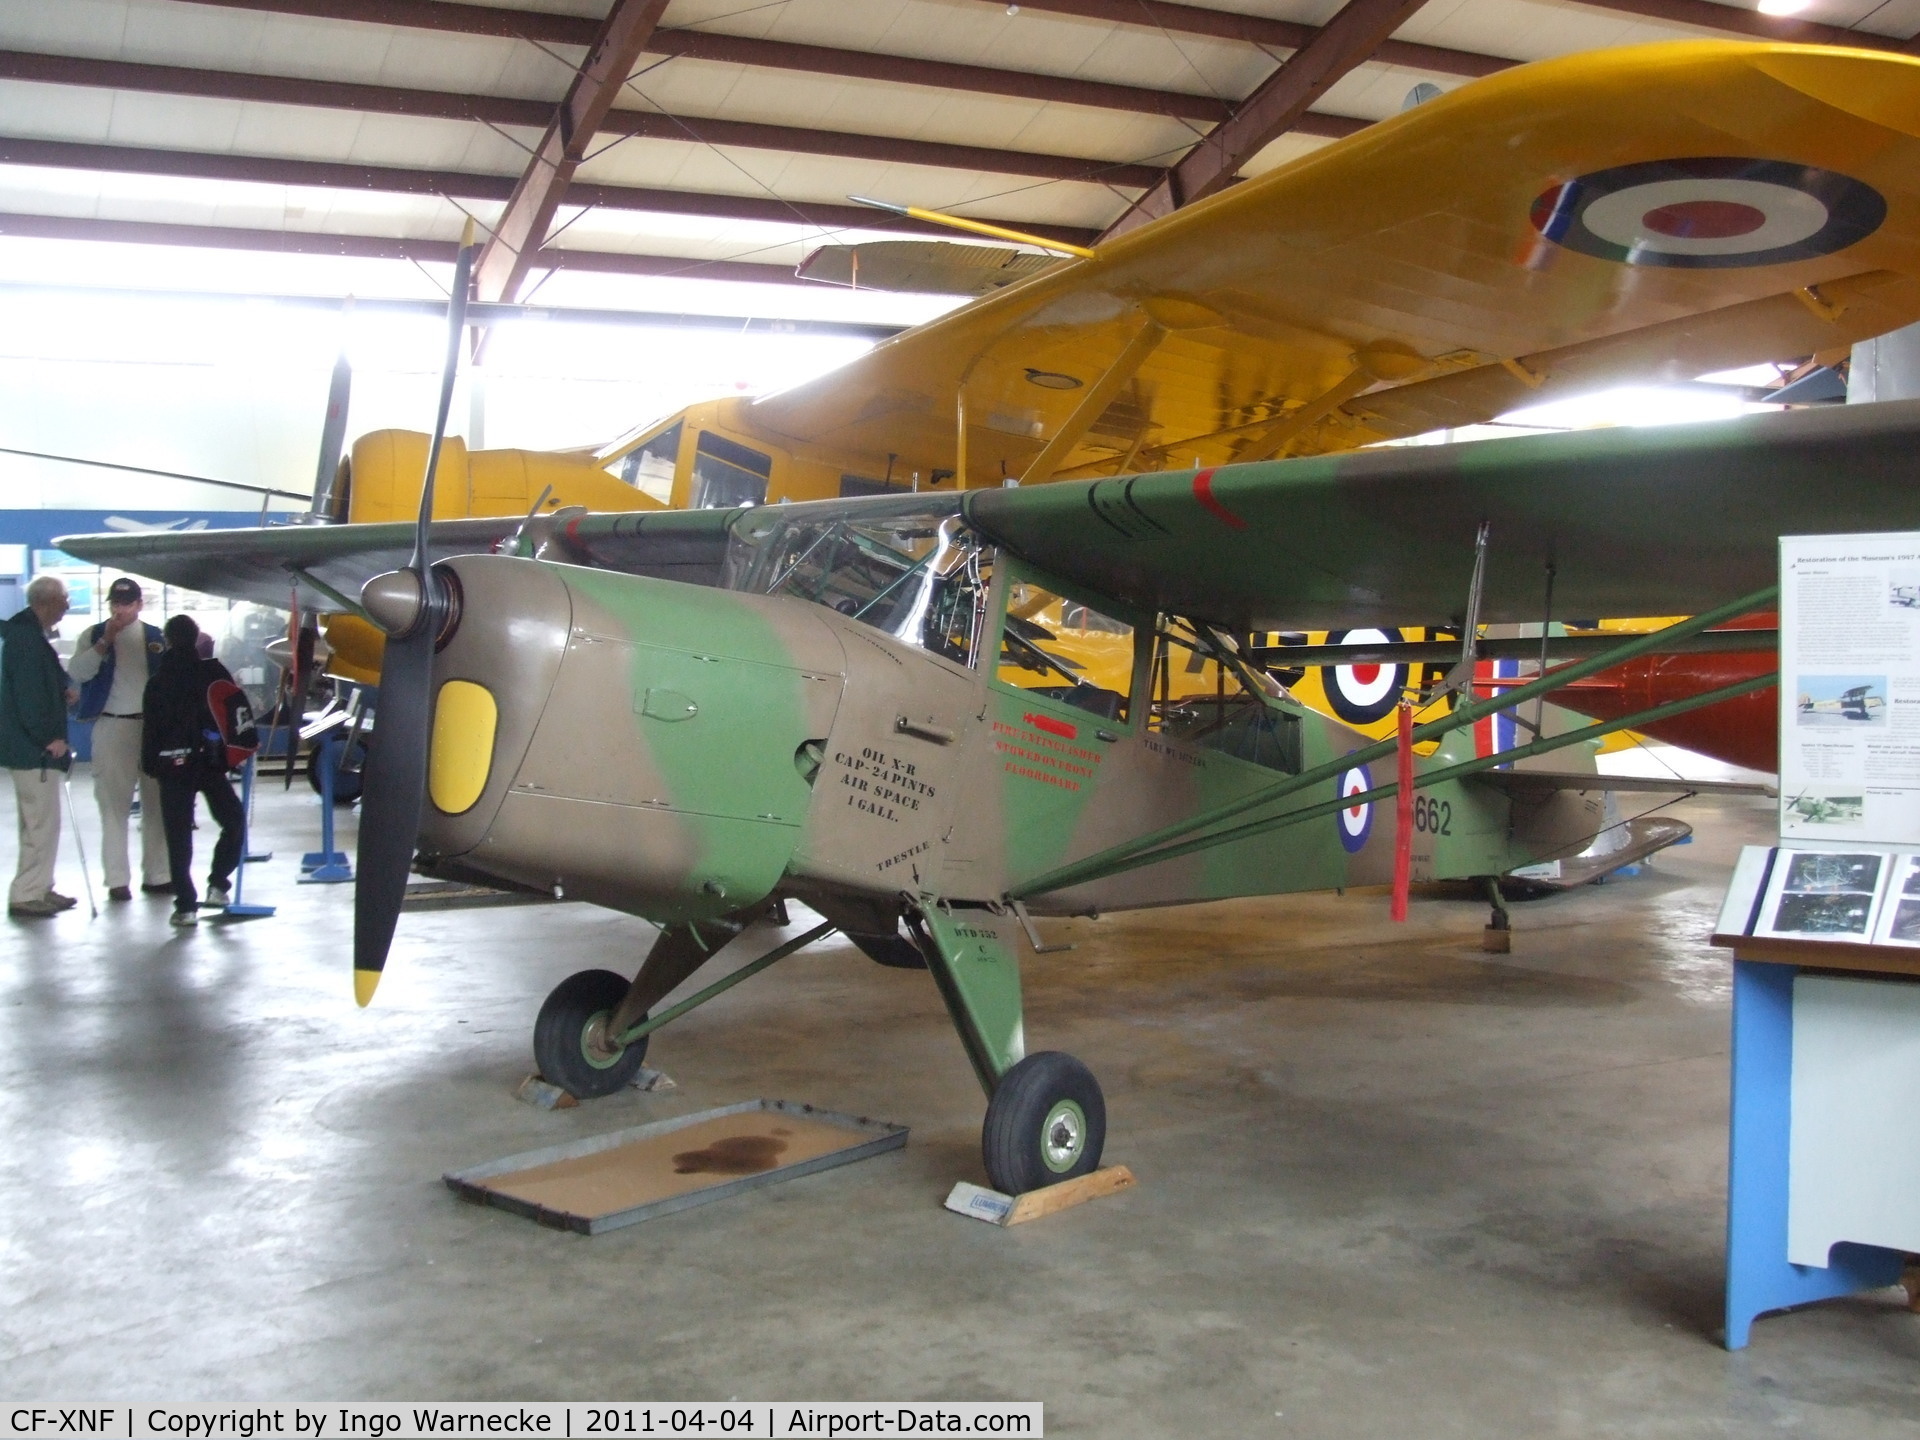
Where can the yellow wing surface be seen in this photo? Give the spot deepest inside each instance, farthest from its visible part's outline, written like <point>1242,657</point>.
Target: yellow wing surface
<point>1658,210</point>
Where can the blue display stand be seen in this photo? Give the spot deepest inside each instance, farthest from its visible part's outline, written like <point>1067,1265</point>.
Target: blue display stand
<point>1759,1275</point>
<point>326,866</point>
<point>237,908</point>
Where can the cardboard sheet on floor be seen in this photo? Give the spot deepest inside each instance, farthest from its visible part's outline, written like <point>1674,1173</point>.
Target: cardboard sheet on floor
<point>649,1170</point>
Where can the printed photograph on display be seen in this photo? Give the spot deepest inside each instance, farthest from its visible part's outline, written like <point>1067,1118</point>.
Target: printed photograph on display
<point>1841,700</point>
<point>1822,895</point>
<point>1827,809</point>
<point>1849,692</point>
<point>1900,922</point>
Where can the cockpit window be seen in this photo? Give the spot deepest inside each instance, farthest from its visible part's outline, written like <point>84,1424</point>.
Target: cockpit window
<point>921,578</point>
<point>1207,694</point>
<point>1054,646</point>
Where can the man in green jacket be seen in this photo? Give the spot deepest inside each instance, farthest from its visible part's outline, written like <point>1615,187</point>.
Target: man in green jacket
<point>34,695</point>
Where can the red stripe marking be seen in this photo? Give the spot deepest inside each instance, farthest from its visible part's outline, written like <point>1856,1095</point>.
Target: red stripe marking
<point>1203,492</point>
<point>573,529</point>
<point>1052,726</point>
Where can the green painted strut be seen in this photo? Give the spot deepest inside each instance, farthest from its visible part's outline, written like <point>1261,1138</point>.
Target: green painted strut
<point>352,607</point>
<point>1451,772</point>
<point>693,1002</point>
<point>1118,857</point>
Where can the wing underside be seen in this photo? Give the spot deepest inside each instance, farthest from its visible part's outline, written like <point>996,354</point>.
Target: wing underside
<point>1420,274</point>
<point>1667,520</point>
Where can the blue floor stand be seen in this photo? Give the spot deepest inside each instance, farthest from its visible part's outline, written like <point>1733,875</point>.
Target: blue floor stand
<point>326,866</point>
<point>1759,1275</point>
<point>237,908</point>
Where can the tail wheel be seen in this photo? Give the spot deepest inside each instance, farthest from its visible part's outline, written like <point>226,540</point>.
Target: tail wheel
<point>1047,1122</point>
<point>570,1042</point>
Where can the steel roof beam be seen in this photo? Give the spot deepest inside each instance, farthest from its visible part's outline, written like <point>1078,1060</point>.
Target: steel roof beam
<point>1731,18</point>
<point>1258,30</point>
<point>506,110</point>
<point>751,135</point>
<point>377,247</point>
<point>771,54</point>
<point>462,185</point>
<point>937,74</point>
<point>271,89</point>
<point>1347,40</point>
<point>1290,35</point>
<point>522,227</point>
<point>440,15</point>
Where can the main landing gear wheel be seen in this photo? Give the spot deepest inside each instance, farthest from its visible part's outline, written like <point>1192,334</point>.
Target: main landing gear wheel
<point>570,1043</point>
<point>1047,1122</point>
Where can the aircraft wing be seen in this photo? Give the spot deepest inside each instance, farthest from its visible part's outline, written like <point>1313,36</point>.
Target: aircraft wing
<point>329,563</point>
<point>1648,212</point>
<point>1667,520</point>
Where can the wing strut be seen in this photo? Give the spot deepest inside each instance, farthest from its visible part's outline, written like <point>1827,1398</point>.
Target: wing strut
<point>1160,844</point>
<point>1461,676</point>
<point>1450,772</point>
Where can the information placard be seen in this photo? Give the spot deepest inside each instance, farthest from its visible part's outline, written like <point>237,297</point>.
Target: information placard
<point>1850,688</point>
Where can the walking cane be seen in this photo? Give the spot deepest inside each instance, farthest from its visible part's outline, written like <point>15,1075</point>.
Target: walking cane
<point>73,823</point>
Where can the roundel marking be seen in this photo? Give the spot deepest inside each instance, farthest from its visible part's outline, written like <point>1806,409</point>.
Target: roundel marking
<point>1356,821</point>
<point>1709,213</point>
<point>1362,694</point>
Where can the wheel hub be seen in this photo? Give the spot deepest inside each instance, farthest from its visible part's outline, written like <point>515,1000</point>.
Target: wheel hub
<point>1063,1136</point>
<point>596,1045</point>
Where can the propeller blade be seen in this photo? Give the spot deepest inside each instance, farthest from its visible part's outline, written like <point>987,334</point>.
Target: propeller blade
<point>411,606</point>
<point>393,791</point>
<point>333,435</point>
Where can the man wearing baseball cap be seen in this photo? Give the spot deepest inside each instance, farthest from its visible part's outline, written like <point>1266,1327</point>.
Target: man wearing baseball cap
<point>111,664</point>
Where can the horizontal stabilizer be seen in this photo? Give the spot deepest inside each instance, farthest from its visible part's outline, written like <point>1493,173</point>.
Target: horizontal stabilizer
<point>1633,841</point>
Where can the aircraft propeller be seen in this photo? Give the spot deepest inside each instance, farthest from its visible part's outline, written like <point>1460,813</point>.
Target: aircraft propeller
<point>413,606</point>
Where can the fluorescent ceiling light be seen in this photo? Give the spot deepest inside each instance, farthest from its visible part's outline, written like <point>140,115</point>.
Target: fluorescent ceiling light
<point>1783,7</point>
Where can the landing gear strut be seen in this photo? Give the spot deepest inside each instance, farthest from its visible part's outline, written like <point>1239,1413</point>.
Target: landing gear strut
<point>1046,1119</point>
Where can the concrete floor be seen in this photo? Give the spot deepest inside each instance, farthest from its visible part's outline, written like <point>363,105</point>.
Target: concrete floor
<point>1389,1186</point>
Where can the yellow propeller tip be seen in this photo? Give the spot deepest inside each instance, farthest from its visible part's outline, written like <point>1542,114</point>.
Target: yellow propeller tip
<point>365,982</point>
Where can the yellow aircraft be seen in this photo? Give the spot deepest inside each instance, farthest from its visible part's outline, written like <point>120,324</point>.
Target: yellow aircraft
<point>1645,213</point>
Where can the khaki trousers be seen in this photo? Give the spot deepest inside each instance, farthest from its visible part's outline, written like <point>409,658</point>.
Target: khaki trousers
<point>116,774</point>
<point>38,795</point>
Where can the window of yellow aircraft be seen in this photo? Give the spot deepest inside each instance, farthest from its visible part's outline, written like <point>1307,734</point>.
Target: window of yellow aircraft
<point>727,473</point>
<point>649,467</point>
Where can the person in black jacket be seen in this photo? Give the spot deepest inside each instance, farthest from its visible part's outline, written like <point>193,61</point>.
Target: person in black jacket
<point>33,742</point>
<point>182,750</point>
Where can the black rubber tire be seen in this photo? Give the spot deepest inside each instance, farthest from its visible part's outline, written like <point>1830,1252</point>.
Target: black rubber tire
<point>1043,1092</point>
<point>347,779</point>
<point>560,1032</point>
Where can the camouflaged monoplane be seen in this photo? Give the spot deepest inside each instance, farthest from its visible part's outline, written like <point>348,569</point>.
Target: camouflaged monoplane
<point>851,704</point>
<point>882,707</point>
